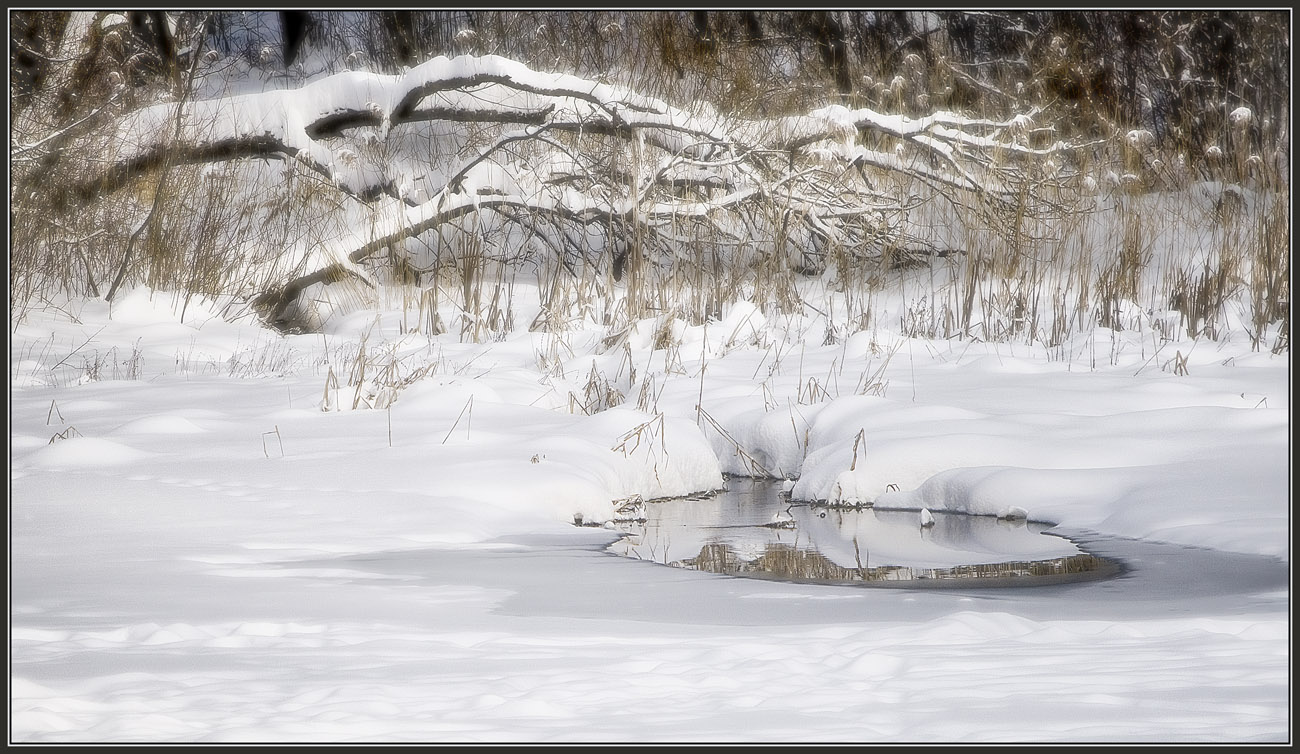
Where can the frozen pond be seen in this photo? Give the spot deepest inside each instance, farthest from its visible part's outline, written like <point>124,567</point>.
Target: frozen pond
<point>753,530</point>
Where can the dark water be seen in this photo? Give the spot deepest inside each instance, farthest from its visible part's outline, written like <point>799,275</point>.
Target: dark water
<point>753,530</point>
<point>574,574</point>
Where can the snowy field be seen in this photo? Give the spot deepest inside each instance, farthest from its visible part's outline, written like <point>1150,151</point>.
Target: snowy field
<point>200,553</point>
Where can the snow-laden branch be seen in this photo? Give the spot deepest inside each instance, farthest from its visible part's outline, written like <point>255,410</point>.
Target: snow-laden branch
<point>557,146</point>
<point>300,123</point>
<point>297,122</point>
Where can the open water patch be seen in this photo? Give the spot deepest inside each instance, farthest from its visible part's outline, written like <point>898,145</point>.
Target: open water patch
<point>753,530</point>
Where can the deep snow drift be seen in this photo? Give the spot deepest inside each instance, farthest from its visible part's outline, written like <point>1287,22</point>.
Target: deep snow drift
<point>199,552</point>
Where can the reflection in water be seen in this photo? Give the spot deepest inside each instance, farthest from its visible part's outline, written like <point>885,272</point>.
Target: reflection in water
<point>747,531</point>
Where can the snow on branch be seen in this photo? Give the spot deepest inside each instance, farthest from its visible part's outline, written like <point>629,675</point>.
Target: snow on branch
<point>298,123</point>
<point>577,151</point>
<point>295,123</point>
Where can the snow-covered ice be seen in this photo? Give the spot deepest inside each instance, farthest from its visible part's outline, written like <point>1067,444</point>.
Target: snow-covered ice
<point>200,553</point>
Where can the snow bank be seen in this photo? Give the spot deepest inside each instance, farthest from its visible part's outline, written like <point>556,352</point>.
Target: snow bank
<point>183,561</point>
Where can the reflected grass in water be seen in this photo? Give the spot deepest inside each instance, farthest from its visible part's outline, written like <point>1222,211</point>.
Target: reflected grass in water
<point>783,562</point>
<point>733,533</point>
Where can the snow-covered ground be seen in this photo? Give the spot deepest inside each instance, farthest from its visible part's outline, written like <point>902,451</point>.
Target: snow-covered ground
<point>199,552</point>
